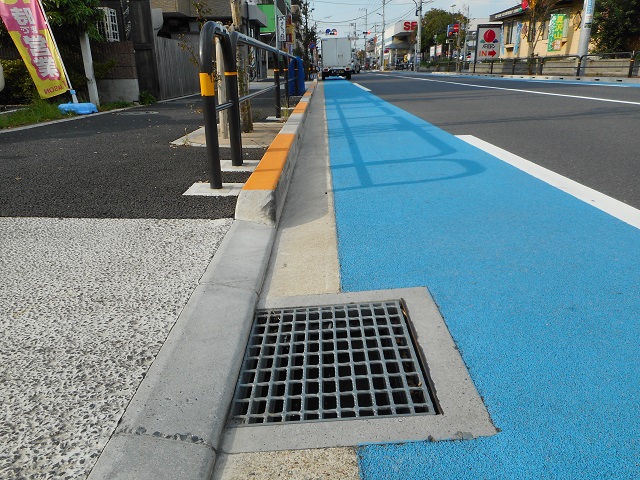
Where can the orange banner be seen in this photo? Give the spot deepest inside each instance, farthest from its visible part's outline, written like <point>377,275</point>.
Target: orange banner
<point>30,31</point>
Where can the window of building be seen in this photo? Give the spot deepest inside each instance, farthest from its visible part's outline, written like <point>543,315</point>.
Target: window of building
<point>108,27</point>
<point>510,32</point>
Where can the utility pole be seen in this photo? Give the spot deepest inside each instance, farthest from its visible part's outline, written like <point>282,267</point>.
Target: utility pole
<point>306,40</point>
<point>418,55</point>
<point>453,22</point>
<point>585,31</point>
<point>458,67</point>
<point>364,60</point>
<point>418,58</point>
<point>466,37</point>
<point>382,44</point>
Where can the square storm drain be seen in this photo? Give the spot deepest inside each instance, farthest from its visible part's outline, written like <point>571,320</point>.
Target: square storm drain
<point>331,362</point>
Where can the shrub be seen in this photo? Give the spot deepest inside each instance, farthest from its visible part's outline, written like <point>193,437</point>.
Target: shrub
<point>19,88</point>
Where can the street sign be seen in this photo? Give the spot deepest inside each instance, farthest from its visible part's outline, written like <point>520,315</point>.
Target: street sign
<point>488,44</point>
<point>282,29</point>
<point>453,29</point>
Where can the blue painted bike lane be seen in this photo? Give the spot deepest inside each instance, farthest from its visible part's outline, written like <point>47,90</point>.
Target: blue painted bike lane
<point>540,291</point>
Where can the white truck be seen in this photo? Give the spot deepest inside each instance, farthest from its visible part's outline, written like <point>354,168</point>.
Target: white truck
<point>336,57</point>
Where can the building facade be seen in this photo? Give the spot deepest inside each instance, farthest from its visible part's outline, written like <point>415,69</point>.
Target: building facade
<point>558,33</point>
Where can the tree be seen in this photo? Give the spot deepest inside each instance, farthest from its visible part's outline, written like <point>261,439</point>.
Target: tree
<point>307,34</point>
<point>70,19</point>
<point>434,26</point>
<point>242,55</point>
<point>536,15</point>
<point>616,27</point>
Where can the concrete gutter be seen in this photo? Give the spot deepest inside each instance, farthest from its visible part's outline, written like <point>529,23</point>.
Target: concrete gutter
<point>173,426</point>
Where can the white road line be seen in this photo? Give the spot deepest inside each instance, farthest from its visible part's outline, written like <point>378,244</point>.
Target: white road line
<point>613,207</point>
<point>519,90</point>
<point>360,86</point>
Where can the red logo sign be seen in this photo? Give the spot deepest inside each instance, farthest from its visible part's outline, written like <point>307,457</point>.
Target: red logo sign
<point>489,36</point>
<point>410,26</point>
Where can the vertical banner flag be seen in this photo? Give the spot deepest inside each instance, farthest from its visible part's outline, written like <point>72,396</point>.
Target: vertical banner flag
<point>516,47</point>
<point>30,31</point>
<point>556,31</point>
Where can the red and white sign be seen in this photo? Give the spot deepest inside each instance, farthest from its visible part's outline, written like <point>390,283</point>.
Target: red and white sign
<point>488,44</point>
<point>409,26</point>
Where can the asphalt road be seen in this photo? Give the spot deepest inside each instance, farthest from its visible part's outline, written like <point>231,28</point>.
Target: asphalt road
<point>582,131</point>
<point>112,165</point>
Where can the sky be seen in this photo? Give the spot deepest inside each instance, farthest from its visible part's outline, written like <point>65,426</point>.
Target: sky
<point>339,15</point>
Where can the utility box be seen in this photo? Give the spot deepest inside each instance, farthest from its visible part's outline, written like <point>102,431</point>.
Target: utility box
<point>336,57</point>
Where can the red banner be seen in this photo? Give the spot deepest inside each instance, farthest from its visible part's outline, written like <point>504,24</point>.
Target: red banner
<point>30,31</point>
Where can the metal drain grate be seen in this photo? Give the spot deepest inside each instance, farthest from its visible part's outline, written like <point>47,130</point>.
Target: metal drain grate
<point>330,362</point>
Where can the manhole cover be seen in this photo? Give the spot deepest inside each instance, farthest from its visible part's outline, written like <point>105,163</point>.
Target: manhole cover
<point>331,362</point>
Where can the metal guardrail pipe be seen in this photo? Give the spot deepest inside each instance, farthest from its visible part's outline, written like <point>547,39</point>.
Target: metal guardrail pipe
<point>252,95</point>
<point>541,65</point>
<point>229,43</point>
<point>208,92</point>
<point>231,85</point>
<point>240,38</point>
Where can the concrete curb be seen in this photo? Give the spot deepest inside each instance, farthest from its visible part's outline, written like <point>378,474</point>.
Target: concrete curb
<point>262,198</point>
<point>173,426</point>
<point>585,79</point>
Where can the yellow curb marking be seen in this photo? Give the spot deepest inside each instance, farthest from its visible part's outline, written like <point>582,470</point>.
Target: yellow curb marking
<point>301,107</point>
<point>267,173</point>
